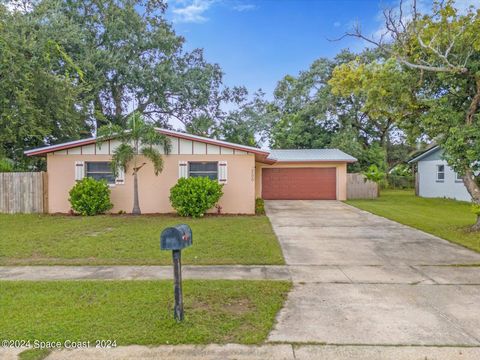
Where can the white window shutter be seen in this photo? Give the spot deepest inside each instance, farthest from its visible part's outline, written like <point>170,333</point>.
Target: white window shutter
<point>120,179</point>
<point>182,169</point>
<point>79,170</point>
<point>222,172</point>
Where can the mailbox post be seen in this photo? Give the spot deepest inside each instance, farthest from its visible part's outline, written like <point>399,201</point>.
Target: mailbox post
<point>177,238</point>
<point>177,285</point>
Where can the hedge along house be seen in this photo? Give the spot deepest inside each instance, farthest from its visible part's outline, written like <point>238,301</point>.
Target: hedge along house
<point>245,171</point>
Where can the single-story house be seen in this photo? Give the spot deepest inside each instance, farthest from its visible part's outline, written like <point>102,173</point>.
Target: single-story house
<point>246,172</point>
<point>436,179</point>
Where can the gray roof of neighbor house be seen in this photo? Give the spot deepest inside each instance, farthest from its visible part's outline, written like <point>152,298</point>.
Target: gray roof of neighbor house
<point>429,150</point>
<point>310,155</point>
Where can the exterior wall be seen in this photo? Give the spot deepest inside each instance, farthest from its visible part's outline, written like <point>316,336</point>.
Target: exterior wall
<point>341,174</point>
<point>429,186</point>
<point>238,197</point>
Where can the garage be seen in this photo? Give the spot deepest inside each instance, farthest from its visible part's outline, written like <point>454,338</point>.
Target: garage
<point>299,183</point>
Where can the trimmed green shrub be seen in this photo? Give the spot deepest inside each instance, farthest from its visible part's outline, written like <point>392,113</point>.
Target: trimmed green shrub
<point>259,206</point>
<point>195,195</point>
<point>90,197</point>
<point>6,165</point>
<point>375,174</point>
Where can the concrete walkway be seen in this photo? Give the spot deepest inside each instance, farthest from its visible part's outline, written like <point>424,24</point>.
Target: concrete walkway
<point>399,292</point>
<point>338,274</point>
<point>263,352</point>
<point>232,272</point>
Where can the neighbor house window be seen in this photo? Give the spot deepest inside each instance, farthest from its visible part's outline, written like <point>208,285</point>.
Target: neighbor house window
<point>206,169</point>
<point>441,173</point>
<point>458,177</point>
<point>100,170</point>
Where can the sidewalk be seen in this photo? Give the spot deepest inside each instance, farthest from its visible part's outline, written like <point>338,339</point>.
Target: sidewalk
<point>263,352</point>
<point>333,274</point>
<point>230,272</point>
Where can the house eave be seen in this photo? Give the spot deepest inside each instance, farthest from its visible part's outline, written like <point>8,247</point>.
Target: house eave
<point>423,155</point>
<point>72,144</point>
<point>52,148</point>
<point>314,161</point>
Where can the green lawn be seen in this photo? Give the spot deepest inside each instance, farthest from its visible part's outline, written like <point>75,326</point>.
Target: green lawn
<point>140,312</point>
<point>34,354</point>
<point>124,239</point>
<point>448,219</point>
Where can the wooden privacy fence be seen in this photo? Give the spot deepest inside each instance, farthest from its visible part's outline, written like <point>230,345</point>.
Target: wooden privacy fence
<point>23,192</point>
<point>358,188</point>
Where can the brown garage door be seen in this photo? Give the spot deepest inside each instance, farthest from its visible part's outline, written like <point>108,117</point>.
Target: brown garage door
<point>299,184</point>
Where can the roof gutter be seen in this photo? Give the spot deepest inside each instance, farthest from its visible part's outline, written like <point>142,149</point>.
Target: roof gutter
<point>314,161</point>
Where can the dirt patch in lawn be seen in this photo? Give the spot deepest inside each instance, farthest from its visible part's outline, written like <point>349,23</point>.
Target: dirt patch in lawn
<point>233,307</point>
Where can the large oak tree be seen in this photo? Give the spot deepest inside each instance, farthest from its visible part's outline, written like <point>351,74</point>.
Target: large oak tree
<point>40,87</point>
<point>133,61</point>
<point>69,67</point>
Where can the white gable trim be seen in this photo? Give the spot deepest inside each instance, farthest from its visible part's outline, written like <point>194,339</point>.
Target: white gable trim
<point>181,144</point>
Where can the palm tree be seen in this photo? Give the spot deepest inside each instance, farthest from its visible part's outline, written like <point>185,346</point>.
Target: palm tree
<point>138,139</point>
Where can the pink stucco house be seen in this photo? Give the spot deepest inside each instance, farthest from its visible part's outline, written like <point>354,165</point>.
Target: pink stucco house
<point>246,172</point>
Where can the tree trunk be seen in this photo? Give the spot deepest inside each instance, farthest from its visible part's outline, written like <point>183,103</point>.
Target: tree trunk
<point>469,178</point>
<point>99,107</point>
<point>117,95</point>
<point>476,227</point>
<point>136,204</point>
<point>474,191</point>
<point>472,109</point>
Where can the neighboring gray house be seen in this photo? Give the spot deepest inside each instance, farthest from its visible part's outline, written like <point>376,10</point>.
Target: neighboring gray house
<point>436,179</point>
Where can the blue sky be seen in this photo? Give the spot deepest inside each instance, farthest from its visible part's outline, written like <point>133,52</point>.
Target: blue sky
<point>256,43</point>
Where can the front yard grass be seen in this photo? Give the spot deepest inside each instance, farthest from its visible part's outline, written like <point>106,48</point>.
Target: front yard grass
<point>34,354</point>
<point>448,219</point>
<point>140,312</point>
<point>134,240</point>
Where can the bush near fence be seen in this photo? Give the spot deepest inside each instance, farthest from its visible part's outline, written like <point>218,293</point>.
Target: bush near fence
<point>400,182</point>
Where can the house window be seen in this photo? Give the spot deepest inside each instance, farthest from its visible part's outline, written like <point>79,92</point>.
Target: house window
<point>458,177</point>
<point>205,169</point>
<point>100,170</point>
<point>440,173</point>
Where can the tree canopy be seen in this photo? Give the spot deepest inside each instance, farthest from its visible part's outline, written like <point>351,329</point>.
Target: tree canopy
<point>39,99</point>
<point>69,67</point>
<point>133,61</point>
<point>328,106</point>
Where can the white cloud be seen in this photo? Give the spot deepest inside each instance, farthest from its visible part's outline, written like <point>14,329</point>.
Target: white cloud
<point>337,24</point>
<point>191,11</point>
<point>244,7</point>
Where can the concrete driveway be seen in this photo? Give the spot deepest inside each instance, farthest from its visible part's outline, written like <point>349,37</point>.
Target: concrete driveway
<point>363,279</point>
